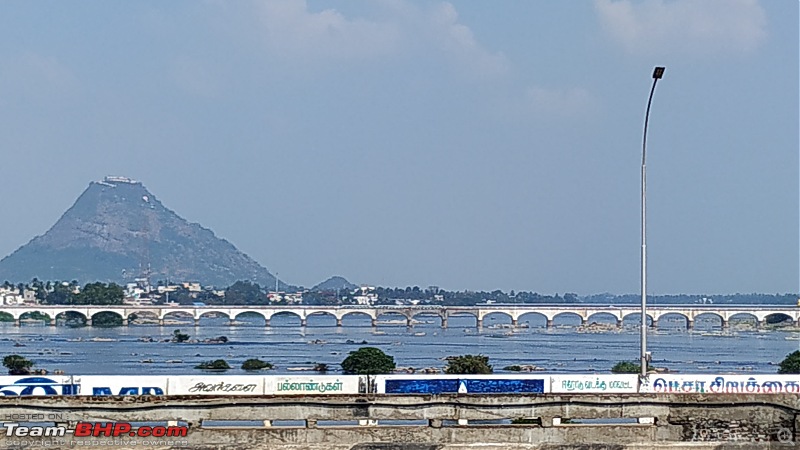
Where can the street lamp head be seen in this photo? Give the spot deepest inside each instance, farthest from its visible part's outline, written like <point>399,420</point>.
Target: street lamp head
<point>658,72</point>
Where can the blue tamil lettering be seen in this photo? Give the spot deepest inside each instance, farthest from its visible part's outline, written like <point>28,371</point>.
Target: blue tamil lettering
<point>128,391</point>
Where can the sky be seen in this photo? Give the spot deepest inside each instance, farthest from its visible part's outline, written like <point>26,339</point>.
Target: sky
<point>468,145</point>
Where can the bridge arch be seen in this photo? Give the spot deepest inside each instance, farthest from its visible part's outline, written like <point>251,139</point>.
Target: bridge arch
<point>458,314</point>
<point>563,314</point>
<point>238,315</point>
<point>592,317</point>
<point>687,322</point>
<point>324,315</point>
<point>417,316</point>
<point>206,312</point>
<point>635,316</point>
<point>494,313</point>
<point>537,314</point>
<point>778,318</point>
<point>288,314</point>
<point>751,317</point>
<point>37,315</point>
<point>359,313</point>
<point>707,314</point>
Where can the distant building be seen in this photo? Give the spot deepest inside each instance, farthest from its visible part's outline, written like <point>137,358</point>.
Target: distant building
<point>295,298</point>
<point>13,297</point>
<point>192,287</point>
<point>365,295</point>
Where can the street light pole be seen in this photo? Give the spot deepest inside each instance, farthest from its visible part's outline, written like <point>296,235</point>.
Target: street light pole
<point>658,72</point>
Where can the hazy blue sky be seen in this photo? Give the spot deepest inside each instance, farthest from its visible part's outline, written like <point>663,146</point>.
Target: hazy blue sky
<point>470,145</point>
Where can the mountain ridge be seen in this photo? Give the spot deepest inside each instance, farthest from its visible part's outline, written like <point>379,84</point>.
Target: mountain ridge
<point>116,229</point>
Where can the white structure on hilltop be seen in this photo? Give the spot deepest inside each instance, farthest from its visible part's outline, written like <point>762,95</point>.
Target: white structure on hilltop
<point>113,179</point>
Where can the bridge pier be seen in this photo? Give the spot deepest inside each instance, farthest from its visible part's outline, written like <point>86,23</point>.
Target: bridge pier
<point>725,324</point>
<point>409,324</point>
<point>304,322</point>
<point>338,322</point>
<point>231,322</point>
<point>16,322</point>
<point>373,322</point>
<point>53,322</point>
<point>549,323</point>
<point>266,322</point>
<point>584,322</point>
<point>197,322</point>
<point>761,323</point>
<point>444,322</point>
<point>89,322</point>
<point>480,323</point>
<point>619,323</point>
<point>689,325</point>
<point>161,322</point>
<point>514,322</point>
<point>124,322</point>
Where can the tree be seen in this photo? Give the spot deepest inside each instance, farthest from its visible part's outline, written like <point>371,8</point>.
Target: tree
<point>100,294</point>
<point>179,337</point>
<point>629,367</point>
<point>790,364</point>
<point>468,364</point>
<point>368,361</point>
<point>17,365</point>
<point>244,293</point>
<point>106,319</point>
<point>256,364</point>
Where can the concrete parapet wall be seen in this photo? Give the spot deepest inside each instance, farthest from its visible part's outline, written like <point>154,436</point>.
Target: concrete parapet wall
<point>370,422</point>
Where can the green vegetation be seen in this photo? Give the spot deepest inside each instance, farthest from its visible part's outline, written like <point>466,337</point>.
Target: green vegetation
<point>468,364</point>
<point>106,319</point>
<point>6,317</point>
<point>368,361</point>
<point>35,315</point>
<point>73,319</point>
<point>256,364</point>
<point>513,368</point>
<point>245,293</point>
<point>219,364</point>
<point>179,337</point>
<point>629,367</point>
<point>17,365</point>
<point>790,364</point>
<point>99,294</point>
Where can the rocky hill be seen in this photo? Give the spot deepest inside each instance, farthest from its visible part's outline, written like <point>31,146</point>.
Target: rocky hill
<point>334,284</point>
<point>115,230</point>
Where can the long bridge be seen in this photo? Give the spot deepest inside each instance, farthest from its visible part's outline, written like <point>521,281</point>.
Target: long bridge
<point>586,313</point>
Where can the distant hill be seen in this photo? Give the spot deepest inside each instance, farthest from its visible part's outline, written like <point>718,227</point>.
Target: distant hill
<point>115,229</point>
<point>334,284</point>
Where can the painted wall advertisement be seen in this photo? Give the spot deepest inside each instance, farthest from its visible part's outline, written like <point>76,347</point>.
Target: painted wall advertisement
<point>216,385</point>
<point>721,384</point>
<point>312,385</point>
<point>598,384</point>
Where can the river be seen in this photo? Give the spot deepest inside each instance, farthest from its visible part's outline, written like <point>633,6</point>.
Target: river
<point>561,349</point>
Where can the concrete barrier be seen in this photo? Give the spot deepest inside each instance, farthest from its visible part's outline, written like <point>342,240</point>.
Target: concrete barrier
<point>544,421</point>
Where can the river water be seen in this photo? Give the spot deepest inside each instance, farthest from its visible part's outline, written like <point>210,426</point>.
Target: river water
<point>561,349</point>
